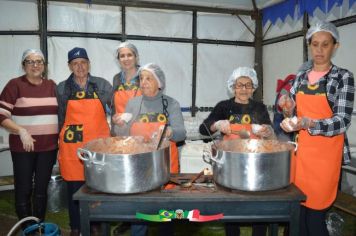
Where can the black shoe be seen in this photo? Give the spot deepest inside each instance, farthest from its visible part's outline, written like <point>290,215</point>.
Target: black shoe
<point>121,229</point>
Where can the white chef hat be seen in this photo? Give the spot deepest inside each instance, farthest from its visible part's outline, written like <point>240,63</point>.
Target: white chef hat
<point>242,72</point>
<point>157,73</point>
<point>130,46</point>
<point>323,26</point>
<point>30,51</point>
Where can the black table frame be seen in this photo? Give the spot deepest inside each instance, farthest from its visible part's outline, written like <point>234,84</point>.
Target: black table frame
<point>274,207</point>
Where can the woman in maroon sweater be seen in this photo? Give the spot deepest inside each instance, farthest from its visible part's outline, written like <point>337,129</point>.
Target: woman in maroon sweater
<point>28,110</point>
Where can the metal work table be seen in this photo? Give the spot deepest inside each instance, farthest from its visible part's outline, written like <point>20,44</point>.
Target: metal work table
<point>237,206</point>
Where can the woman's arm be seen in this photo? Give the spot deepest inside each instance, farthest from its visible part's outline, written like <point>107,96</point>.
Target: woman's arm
<point>218,113</point>
<point>176,121</point>
<point>342,94</point>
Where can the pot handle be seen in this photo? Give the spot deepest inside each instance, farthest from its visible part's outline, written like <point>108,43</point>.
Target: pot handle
<point>216,160</point>
<point>295,144</point>
<point>82,153</point>
<point>209,158</point>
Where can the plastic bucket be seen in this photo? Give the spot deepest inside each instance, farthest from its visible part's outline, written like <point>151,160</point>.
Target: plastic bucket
<point>44,229</point>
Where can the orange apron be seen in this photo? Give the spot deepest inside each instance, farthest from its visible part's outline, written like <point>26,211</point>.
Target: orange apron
<point>146,129</point>
<point>318,158</point>
<point>237,127</point>
<point>85,120</point>
<point>123,94</point>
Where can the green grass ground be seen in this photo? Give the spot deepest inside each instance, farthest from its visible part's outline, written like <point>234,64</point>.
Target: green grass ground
<point>7,212</point>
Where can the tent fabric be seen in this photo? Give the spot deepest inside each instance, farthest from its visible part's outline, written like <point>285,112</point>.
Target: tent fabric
<point>290,7</point>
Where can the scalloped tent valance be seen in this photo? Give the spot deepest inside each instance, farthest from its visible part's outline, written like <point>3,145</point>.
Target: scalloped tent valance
<point>296,8</point>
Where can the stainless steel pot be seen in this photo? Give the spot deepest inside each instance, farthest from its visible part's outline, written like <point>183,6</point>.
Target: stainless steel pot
<point>124,173</point>
<point>251,165</point>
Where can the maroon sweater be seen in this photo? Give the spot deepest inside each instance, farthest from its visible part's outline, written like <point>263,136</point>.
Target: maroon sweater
<point>33,107</point>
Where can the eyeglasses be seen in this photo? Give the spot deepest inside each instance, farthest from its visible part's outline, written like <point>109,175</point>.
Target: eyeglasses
<point>241,86</point>
<point>32,63</point>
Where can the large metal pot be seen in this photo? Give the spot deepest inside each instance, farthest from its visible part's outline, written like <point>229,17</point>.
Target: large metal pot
<point>251,164</point>
<point>125,173</point>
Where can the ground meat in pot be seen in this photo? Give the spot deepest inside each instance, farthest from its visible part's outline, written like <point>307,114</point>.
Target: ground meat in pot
<point>254,146</point>
<point>122,145</point>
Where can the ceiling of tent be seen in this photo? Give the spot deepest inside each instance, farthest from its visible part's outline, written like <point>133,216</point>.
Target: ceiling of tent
<point>237,4</point>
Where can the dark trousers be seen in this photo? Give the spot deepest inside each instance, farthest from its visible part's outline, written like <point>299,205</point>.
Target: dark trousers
<point>32,172</point>
<point>312,222</point>
<point>73,205</point>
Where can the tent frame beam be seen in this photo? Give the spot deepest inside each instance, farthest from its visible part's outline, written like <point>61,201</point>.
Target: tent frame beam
<point>300,33</point>
<point>160,5</point>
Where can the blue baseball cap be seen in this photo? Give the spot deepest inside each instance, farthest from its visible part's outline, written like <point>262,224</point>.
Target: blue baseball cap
<point>77,53</point>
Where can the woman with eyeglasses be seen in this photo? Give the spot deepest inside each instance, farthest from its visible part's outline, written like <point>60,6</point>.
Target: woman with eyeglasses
<point>240,116</point>
<point>28,110</point>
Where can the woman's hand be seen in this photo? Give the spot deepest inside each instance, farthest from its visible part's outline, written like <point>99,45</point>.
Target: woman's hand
<point>263,131</point>
<point>223,126</point>
<point>120,118</point>
<point>286,104</point>
<point>26,139</point>
<point>296,123</point>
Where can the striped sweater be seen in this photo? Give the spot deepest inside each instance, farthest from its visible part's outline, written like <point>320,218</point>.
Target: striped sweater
<point>33,107</point>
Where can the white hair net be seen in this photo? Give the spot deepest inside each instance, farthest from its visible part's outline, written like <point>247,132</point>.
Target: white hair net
<point>131,47</point>
<point>28,52</point>
<point>325,27</point>
<point>157,73</point>
<point>242,72</point>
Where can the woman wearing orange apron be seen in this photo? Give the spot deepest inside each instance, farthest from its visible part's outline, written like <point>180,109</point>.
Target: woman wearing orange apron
<point>324,95</point>
<point>79,124</point>
<point>240,117</point>
<point>149,112</point>
<point>241,112</point>
<point>126,83</point>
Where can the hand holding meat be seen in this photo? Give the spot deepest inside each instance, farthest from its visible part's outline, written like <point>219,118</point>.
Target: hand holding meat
<point>263,131</point>
<point>26,139</point>
<point>223,126</point>
<point>286,104</point>
<point>120,118</point>
<point>296,123</point>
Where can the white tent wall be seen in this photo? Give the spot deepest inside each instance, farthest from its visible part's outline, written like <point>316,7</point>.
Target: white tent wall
<point>216,62</point>
<point>175,58</point>
<point>164,23</point>
<point>225,27</point>
<point>215,65</point>
<point>13,14</point>
<point>279,60</point>
<point>75,17</point>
